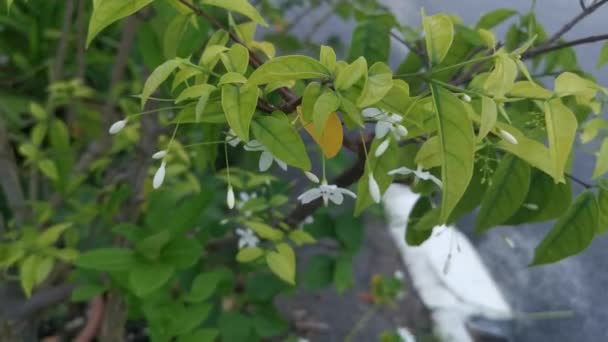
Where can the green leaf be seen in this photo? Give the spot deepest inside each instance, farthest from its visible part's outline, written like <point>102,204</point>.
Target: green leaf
<point>320,272</point>
<point>288,68</point>
<point>601,165</point>
<point>572,232</point>
<point>28,273</point>
<point>157,77</point>
<point>502,77</point>
<point>602,201</point>
<point>281,139</point>
<point>10,253</point>
<point>182,252</point>
<point>343,274</point>
<point>239,104</point>
<point>200,335</point>
<point>107,259</point>
<point>591,129</point>
<point>528,89</point>
<point>203,286</point>
<point>265,231</point>
<point>326,104</point>
<point>85,292</point>
<point>283,263</point>
<point>377,85</point>
<point>327,57</point>
<point>603,58</point>
<point>146,278</point>
<point>561,131</point>
<point>371,39</point>
<point>151,246</point>
<point>197,91</point>
<point>438,36</point>
<point>495,18</point>
<point>174,33</point>
<point>569,83</point>
<point>429,155</point>
<point>240,6</point>
<point>249,254</point>
<point>351,74</point>
<point>301,237</point>
<point>506,194</point>
<point>311,93</point>
<point>457,145</point>
<point>108,11</point>
<point>232,78</point>
<point>417,231</point>
<point>49,169</point>
<point>235,327</point>
<point>489,115</point>
<point>50,235</point>
<point>236,59</point>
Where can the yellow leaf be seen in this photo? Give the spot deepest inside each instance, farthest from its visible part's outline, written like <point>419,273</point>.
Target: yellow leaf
<point>330,140</point>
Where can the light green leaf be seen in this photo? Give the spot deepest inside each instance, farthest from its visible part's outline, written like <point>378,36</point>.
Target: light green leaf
<point>502,78</point>
<point>421,221</point>
<point>602,201</point>
<point>488,38</point>
<point>10,253</point>
<point>108,11</point>
<point>146,278</point>
<point>173,34</point>
<point>283,263</point>
<point>311,93</point>
<point>232,78</point>
<point>288,68</point>
<point>301,237</point>
<point>377,85</point>
<point>49,169</point>
<point>37,111</point>
<point>107,259</point>
<point>199,90</point>
<point>326,104</point>
<point>249,254</point>
<point>495,17</point>
<point>489,115</point>
<point>203,286</point>
<point>506,194</point>
<point>328,58</point>
<point>51,234</point>
<point>591,129</point>
<point>398,99</point>
<point>157,77</point>
<point>527,89</point>
<point>561,131</point>
<point>28,273</point>
<point>239,105</point>
<point>264,231</point>
<point>236,59</point>
<point>569,83</point>
<point>457,144</point>
<point>211,55</point>
<point>351,74</point>
<point>438,36</point>
<point>240,6</point>
<point>45,266</point>
<point>282,140</point>
<point>603,58</point>
<point>601,165</point>
<point>429,155</point>
<point>572,232</point>
<point>182,252</point>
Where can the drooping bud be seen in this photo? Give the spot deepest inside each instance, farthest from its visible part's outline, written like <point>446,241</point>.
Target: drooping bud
<point>311,176</point>
<point>117,126</point>
<point>382,148</point>
<point>159,155</point>
<point>374,189</point>
<point>508,137</point>
<point>230,197</point>
<point>159,176</point>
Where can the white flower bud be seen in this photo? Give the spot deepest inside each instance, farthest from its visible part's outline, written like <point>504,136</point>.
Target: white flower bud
<point>382,148</point>
<point>374,189</point>
<point>159,154</point>
<point>117,126</point>
<point>508,137</point>
<point>402,130</point>
<point>312,177</point>
<point>230,197</point>
<point>466,98</point>
<point>159,176</point>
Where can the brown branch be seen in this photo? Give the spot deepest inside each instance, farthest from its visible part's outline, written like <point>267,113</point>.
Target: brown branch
<point>60,55</point>
<point>568,26</point>
<point>545,49</point>
<point>43,299</point>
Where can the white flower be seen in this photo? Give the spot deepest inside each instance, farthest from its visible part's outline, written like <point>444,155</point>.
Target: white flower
<point>232,139</point>
<point>159,154</point>
<point>419,173</point>
<point>266,158</point>
<point>386,122</point>
<point>230,197</point>
<point>312,177</point>
<point>327,192</point>
<point>466,98</point>
<point>508,137</point>
<point>117,126</point>
<point>159,176</point>
<point>374,189</point>
<point>247,238</point>
<point>382,148</point>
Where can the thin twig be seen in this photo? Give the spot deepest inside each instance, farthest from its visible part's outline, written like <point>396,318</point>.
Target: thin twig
<point>579,181</point>
<point>60,55</point>
<point>545,49</point>
<point>568,26</point>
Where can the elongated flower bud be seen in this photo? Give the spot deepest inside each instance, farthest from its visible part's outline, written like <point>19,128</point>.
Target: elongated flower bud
<point>159,176</point>
<point>508,137</point>
<point>312,177</point>
<point>382,148</point>
<point>159,154</point>
<point>230,197</point>
<point>466,98</point>
<point>117,126</point>
<point>374,189</point>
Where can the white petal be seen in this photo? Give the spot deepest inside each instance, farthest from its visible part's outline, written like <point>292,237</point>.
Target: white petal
<point>374,189</point>
<point>371,112</point>
<point>347,192</point>
<point>265,161</point>
<point>310,195</point>
<point>466,98</point>
<point>242,243</point>
<point>159,176</point>
<point>395,118</point>
<point>159,154</point>
<point>382,147</point>
<point>281,164</point>
<point>507,136</point>
<point>401,130</point>
<point>336,197</point>
<point>253,145</point>
<point>312,177</point>
<point>436,181</point>
<point>117,126</point>
<point>382,128</point>
<point>230,197</point>
<point>233,141</point>
<point>400,171</point>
